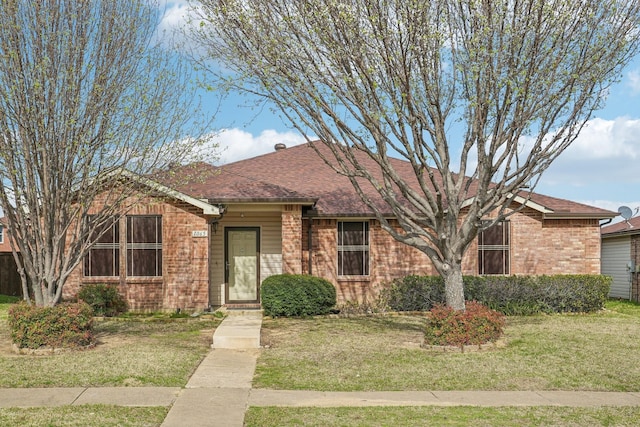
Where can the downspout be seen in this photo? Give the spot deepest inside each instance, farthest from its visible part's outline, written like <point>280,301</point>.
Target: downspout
<point>606,222</point>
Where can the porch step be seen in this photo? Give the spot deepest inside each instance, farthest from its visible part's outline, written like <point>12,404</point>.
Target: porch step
<point>239,330</point>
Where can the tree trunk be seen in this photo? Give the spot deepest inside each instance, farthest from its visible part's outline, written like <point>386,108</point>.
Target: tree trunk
<point>453,286</point>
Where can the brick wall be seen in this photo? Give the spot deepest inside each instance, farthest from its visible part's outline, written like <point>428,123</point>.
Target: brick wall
<point>292,238</point>
<point>185,277</point>
<point>570,246</point>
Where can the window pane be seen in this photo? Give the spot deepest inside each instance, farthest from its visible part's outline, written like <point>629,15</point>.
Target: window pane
<point>102,262</point>
<point>354,263</point>
<point>144,246</point>
<point>493,249</point>
<point>494,262</point>
<point>353,233</point>
<point>144,229</point>
<point>103,259</point>
<point>353,248</point>
<point>144,262</point>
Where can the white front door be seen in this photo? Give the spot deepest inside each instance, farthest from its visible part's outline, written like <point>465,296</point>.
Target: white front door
<point>242,265</point>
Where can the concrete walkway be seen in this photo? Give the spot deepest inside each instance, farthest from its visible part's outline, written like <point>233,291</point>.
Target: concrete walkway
<point>219,392</point>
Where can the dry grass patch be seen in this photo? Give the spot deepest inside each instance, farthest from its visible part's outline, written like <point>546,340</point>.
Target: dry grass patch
<point>129,353</point>
<point>556,352</point>
<point>441,416</point>
<point>83,416</point>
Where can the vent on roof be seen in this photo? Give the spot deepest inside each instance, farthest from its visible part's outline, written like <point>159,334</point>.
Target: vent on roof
<point>280,146</point>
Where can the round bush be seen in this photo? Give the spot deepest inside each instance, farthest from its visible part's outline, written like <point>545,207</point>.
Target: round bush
<point>65,325</point>
<point>103,299</point>
<point>476,325</point>
<point>295,295</point>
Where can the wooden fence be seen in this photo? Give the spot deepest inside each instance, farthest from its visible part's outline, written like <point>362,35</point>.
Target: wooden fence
<point>9,277</point>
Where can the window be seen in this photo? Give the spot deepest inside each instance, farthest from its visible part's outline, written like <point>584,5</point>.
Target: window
<point>1,233</point>
<point>144,246</point>
<point>353,248</point>
<point>103,258</point>
<point>493,249</point>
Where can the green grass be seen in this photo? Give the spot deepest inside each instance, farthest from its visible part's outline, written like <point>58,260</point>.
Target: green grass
<point>442,416</point>
<point>83,416</point>
<point>162,352</point>
<point>554,352</point>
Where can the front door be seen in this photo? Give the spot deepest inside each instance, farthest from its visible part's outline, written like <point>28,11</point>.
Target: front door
<point>242,265</point>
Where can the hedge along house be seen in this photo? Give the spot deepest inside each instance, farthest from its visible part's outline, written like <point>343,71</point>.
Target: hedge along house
<point>288,212</point>
<point>621,258</point>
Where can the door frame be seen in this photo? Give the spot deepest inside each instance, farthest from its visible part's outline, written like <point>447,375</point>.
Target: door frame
<point>226,264</point>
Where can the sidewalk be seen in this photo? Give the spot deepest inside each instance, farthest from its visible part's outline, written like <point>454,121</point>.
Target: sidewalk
<point>219,392</point>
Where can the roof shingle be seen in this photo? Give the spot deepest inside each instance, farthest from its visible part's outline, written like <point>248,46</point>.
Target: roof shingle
<point>298,174</point>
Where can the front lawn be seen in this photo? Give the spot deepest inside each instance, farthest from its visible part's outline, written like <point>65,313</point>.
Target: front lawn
<point>461,416</point>
<point>132,352</point>
<point>83,416</point>
<point>550,352</point>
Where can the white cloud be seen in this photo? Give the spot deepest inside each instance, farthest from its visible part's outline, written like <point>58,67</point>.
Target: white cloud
<point>634,81</point>
<point>605,153</point>
<point>236,144</point>
<point>176,16</point>
<point>608,139</point>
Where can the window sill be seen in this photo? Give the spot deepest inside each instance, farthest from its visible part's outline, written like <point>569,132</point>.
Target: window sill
<point>354,278</point>
<point>141,279</point>
<point>100,279</point>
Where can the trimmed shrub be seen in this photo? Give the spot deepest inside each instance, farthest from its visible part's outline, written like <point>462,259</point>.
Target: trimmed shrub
<point>67,325</point>
<point>103,299</point>
<point>414,293</point>
<point>476,325</point>
<point>290,295</point>
<point>511,295</point>
<point>525,295</point>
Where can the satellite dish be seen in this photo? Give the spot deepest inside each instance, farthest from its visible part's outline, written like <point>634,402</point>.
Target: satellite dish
<point>626,212</point>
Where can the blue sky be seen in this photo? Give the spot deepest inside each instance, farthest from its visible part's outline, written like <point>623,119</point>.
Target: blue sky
<point>601,168</point>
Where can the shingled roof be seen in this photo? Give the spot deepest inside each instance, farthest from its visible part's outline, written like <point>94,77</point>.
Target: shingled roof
<point>622,228</point>
<point>299,175</point>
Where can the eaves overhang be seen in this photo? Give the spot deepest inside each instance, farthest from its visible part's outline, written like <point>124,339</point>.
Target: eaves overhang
<point>518,199</point>
<point>264,200</point>
<point>207,208</point>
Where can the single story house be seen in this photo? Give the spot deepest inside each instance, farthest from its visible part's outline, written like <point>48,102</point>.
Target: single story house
<point>212,241</point>
<point>621,258</point>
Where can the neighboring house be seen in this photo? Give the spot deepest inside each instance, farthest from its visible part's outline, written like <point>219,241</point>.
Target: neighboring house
<point>621,258</point>
<point>9,278</point>
<point>288,212</point>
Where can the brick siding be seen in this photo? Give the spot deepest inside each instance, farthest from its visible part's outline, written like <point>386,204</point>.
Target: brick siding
<point>185,279</point>
<point>558,246</point>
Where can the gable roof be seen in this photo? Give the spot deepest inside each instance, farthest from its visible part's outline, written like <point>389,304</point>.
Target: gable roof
<point>630,227</point>
<point>299,175</point>
<point>207,208</point>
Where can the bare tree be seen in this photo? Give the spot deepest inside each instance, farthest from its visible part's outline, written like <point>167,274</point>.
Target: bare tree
<point>89,93</point>
<point>479,96</point>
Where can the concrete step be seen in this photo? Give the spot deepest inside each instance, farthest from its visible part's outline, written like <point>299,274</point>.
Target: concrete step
<point>239,330</point>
